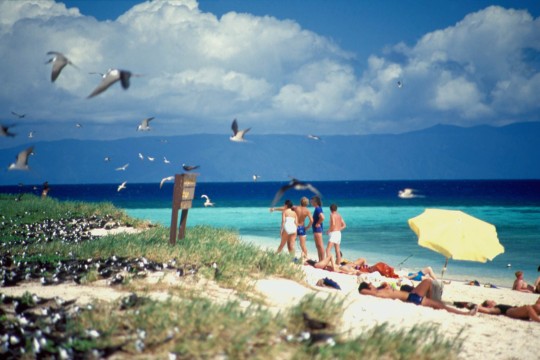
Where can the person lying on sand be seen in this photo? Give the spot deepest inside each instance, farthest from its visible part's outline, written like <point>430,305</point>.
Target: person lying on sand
<point>417,296</point>
<point>525,312</point>
<point>329,264</point>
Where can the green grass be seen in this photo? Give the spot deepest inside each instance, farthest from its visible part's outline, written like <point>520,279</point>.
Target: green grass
<point>195,327</point>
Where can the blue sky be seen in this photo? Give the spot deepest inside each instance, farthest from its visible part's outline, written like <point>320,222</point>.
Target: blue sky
<point>323,67</point>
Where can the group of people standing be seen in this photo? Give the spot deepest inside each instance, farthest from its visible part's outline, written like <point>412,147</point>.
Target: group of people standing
<point>293,224</point>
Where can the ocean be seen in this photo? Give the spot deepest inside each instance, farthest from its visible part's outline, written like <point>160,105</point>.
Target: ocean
<point>377,227</point>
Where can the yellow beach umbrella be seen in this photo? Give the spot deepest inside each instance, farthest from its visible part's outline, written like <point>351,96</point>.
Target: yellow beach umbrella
<point>456,235</point>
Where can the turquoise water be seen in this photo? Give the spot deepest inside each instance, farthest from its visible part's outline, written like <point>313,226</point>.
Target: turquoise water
<point>376,217</point>
<point>382,234</point>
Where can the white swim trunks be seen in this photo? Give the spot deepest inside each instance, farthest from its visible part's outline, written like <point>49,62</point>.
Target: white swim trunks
<point>335,237</point>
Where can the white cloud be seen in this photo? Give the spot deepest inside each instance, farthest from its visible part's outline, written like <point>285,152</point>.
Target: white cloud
<point>198,66</point>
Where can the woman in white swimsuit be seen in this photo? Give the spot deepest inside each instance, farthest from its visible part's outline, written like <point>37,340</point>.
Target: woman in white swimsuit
<point>289,224</point>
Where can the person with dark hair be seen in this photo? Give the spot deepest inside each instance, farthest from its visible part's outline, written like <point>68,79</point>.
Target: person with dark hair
<point>288,227</point>
<point>417,296</point>
<point>525,312</point>
<point>317,226</point>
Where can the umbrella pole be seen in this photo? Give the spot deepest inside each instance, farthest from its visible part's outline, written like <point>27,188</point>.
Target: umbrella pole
<point>444,269</point>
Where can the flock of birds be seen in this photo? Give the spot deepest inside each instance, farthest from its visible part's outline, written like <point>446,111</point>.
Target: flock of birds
<point>59,61</point>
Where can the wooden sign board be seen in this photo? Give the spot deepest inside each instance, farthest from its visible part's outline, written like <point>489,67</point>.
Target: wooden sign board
<point>183,194</point>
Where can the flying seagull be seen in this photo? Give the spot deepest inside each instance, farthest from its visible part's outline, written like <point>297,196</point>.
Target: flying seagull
<point>256,177</point>
<point>189,167</point>
<point>112,76</point>
<point>151,158</point>
<point>141,156</point>
<point>166,161</point>
<point>408,193</point>
<point>314,137</point>
<point>399,84</point>
<point>59,62</point>
<point>122,186</point>
<point>107,158</point>
<point>238,135</point>
<point>20,116</point>
<point>168,178</point>
<point>143,126</point>
<point>31,134</point>
<point>21,162</point>
<point>207,202</point>
<point>4,131</point>
<point>122,168</point>
<point>297,185</point>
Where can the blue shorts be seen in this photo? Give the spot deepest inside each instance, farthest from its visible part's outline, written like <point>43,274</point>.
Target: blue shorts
<point>418,276</point>
<point>301,230</point>
<point>415,298</point>
<point>317,229</point>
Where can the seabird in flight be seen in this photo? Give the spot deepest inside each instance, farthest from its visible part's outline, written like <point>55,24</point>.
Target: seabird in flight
<point>59,62</point>
<point>21,162</point>
<point>297,185</point>
<point>143,126</point>
<point>207,202</point>
<point>112,76</point>
<point>238,135</point>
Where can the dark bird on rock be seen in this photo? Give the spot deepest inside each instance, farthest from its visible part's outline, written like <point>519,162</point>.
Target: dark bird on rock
<point>296,185</point>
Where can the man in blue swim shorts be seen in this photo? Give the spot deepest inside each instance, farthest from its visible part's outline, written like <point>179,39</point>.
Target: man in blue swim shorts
<point>417,296</point>
<point>317,227</point>
<point>303,212</point>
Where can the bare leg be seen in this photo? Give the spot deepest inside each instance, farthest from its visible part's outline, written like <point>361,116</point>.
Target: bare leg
<point>429,272</point>
<point>329,248</point>
<point>303,246</point>
<point>291,241</point>
<point>324,263</point>
<point>338,254</point>
<point>441,306</point>
<point>283,241</point>
<point>423,288</point>
<point>319,245</point>
<point>527,312</point>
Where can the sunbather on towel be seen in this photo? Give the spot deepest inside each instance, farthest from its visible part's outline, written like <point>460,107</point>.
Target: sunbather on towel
<point>525,312</point>
<point>417,296</point>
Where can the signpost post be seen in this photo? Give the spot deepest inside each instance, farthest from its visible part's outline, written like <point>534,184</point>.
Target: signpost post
<point>183,193</point>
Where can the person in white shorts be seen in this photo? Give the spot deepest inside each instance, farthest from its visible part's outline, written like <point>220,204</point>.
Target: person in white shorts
<point>337,224</point>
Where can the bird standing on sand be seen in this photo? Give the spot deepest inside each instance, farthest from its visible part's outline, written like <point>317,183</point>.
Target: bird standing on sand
<point>143,126</point>
<point>122,186</point>
<point>21,162</point>
<point>238,135</point>
<point>59,62</point>
<point>190,167</point>
<point>168,178</point>
<point>207,202</point>
<point>110,77</point>
<point>297,185</point>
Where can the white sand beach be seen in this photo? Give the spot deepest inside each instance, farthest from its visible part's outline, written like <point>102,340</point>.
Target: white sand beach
<point>485,336</point>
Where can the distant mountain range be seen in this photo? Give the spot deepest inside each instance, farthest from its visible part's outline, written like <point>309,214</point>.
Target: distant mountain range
<point>439,152</point>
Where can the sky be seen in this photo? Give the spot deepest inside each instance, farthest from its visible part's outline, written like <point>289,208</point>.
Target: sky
<point>288,67</point>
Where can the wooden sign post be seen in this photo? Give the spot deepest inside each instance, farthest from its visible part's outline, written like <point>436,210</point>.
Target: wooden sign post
<point>183,193</point>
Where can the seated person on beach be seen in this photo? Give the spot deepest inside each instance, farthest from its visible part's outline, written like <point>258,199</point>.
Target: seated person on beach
<point>417,296</point>
<point>425,272</point>
<point>525,312</point>
<point>521,285</point>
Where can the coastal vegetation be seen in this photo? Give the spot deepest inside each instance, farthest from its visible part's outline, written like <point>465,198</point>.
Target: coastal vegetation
<point>188,323</point>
